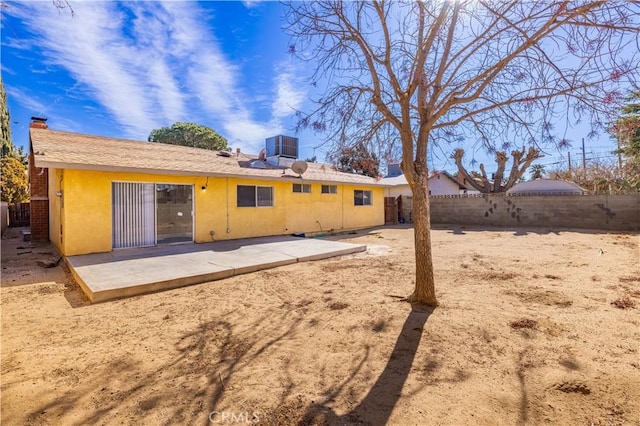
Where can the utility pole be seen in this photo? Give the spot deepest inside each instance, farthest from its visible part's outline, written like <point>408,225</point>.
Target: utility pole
<point>619,158</point>
<point>584,160</point>
<point>569,154</point>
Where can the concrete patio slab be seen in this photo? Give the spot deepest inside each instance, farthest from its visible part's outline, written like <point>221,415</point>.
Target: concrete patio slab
<point>129,272</point>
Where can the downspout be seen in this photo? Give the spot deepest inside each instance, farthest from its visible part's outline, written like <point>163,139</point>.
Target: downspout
<point>61,203</point>
<point>227,190</point>
<point>342,205</point>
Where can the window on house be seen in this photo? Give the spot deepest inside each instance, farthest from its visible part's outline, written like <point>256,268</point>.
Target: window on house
<point>265,196</point>
<point>361,197</point>
<point>255,196</point>
<point>329,189</point>
<point>302,187</point>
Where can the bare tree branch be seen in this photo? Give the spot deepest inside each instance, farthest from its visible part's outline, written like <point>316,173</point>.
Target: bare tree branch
<point>402,77</point>
<point>63,4</point>
<point>498,184</point>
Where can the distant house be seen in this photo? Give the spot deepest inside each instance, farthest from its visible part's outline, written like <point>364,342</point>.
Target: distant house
<point>440,183</point>
<point>399,204</point>
<point>93,194</point>
<point>547,186</point>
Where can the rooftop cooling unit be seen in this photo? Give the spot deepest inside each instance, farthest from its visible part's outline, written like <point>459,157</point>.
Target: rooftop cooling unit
<point>282,146</point>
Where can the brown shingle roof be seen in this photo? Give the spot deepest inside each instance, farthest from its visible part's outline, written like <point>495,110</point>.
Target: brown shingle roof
<point>65,150</point>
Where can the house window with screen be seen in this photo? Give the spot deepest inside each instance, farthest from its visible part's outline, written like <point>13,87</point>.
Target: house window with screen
<point>361,197</point>
<point>302,187</point>
<point>329,189</point>
<point>255,196</point>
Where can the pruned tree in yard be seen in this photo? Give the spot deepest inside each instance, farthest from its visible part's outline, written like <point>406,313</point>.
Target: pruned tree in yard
<point>189,134</point>
<point>433,72</point>
<point>497,183</point>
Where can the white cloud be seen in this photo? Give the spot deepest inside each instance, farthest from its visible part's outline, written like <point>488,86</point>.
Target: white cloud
<point>37,108</point>
<point>6,70</point>
<point>91,47</point>
<point>28,102</point>
<point>289,96</point>
<point>249,134</point>
<point>150,64</point>
<point>250,4</point>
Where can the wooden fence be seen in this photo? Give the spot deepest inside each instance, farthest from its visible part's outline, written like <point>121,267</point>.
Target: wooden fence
<point>390,210</point>
<point>19,214</point>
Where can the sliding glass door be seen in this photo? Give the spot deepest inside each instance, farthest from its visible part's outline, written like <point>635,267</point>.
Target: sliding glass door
<point>145,214</point>
<point>174,213</point>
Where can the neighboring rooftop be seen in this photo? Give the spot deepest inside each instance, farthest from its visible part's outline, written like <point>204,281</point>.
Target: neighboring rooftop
<point>57,149</point>
<point>547,186</point>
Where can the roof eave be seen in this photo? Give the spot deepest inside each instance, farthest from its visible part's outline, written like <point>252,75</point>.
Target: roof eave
<point>43,163</point>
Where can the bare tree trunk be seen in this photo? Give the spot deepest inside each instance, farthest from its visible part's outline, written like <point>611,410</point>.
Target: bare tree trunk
<point>425,290</point>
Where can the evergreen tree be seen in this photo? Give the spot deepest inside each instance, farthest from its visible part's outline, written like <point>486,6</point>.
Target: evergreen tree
<point>190,134</point>
<point>626,128</point>
<point>5,124</point>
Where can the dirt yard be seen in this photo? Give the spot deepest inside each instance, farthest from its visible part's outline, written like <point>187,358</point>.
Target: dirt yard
<point>534,327</point>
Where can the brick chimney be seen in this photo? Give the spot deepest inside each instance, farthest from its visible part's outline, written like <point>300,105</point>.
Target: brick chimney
<point>39,190</point>
<point>38,123</point>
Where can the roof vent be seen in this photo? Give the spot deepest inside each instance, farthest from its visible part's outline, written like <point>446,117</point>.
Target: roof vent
<point>224,154</point>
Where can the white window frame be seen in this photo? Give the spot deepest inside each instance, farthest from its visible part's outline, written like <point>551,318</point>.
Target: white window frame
<point>256,201</point>
<point>363,198</point>
<point>302,188</point>
<point>330,189</point>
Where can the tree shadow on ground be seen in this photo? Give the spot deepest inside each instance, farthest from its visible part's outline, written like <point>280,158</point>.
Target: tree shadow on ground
<point>376,407</point>
<point>518,231</point>
<point>182,390</point>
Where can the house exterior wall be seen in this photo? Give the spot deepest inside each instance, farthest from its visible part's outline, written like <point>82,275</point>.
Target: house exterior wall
<point>442,185</point>
<point>399,190</point>
<point>56,211</point>
<point>86,218</point>
<point>438,185</point>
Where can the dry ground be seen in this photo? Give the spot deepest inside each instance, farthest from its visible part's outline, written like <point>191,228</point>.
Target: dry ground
<point>526,334</point>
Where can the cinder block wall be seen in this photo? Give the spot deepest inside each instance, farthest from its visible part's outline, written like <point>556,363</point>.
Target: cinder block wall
<point>614,212</point>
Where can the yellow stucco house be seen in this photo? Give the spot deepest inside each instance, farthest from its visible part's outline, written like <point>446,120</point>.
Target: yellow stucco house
<point>102,194</point>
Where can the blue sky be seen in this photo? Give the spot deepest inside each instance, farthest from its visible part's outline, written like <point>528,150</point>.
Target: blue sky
<point>121,69</point>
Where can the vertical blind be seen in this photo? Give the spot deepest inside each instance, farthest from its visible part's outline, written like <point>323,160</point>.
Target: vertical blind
<point>134,222</point>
